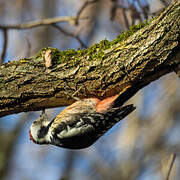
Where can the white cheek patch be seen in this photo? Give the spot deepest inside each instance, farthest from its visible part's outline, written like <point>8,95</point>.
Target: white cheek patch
<point>34,133</point>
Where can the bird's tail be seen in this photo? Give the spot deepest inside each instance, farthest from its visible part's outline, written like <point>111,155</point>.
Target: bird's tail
<point>113,116</point>
<point>119,113</point>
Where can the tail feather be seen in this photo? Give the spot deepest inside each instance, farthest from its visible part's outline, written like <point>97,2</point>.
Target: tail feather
<point>112,117</point>
<point>120,112</point>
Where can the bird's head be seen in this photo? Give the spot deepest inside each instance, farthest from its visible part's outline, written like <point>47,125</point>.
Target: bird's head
<point>38,131</point>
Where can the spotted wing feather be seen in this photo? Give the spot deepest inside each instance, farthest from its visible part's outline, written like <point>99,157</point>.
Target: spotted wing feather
<point>88,128</point>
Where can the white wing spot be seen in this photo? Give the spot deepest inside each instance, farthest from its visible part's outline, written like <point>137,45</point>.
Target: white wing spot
<point>70,133</point>
<point>80,123</point>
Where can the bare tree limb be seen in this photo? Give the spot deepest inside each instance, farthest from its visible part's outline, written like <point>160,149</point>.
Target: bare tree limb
<point>119,67</point>
<point>171,165</point>
<point>48,21</point>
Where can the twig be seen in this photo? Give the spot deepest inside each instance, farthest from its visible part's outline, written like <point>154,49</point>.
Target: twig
<point>48,21</point>
<point>5,34</point>
<point>70,34</point>
<point>82,9</point>
<point>171,165</point>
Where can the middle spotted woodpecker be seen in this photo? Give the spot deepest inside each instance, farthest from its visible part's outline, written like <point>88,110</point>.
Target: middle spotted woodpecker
<point>79,125</point>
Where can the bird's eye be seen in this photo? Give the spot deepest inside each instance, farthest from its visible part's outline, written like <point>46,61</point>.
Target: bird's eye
<point>34,122</point>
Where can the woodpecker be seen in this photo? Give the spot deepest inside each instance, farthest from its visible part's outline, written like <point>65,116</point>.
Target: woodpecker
<point>79,125</point>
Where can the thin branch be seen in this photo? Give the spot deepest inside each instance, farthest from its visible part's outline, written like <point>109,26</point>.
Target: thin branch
<point>82,9</point>
<point>171,165</point>
<point>48,21</point>
<point>5,35</point>
<point>73,35</point>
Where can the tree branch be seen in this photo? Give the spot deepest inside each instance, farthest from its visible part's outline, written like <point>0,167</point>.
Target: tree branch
<point>119,67</point>
<point>171,166</point>
<point>48,21</point>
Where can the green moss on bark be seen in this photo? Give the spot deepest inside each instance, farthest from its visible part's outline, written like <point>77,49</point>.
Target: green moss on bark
<point>94,52</point>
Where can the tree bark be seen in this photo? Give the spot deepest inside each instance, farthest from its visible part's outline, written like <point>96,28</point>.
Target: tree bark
<point>123,68</point>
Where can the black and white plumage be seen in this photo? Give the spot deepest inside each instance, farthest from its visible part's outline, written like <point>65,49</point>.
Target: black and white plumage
<point>80,124</point>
